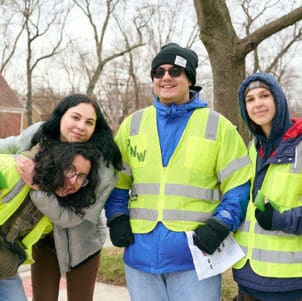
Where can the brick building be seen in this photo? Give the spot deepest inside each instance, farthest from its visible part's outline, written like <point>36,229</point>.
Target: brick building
<point>11,111</point>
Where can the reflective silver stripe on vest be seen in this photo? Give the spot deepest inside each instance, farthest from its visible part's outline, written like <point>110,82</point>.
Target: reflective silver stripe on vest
<point>244,249</point>
<point>126,170</point>
<point>176,215</point>
<point>260,230</point>
<point>177,190</point>
<point>212,125</point>
<point>17,188</point>
<point>185,215</point>
<point>143,213</point>
<point>135,122</point>
<point>232,167</point>
<point>277,256</point>
<point>147,188</point>
<point>211,129</point>
<point>192,192</point>
<point>297,166</point>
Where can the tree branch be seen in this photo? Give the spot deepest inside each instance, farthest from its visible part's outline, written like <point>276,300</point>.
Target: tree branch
<point>251,41</point>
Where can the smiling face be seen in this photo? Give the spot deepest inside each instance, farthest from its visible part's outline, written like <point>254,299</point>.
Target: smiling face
<point>82,168</point>
<point>78,123</point>
<point>172,89</point>
<point>261,108</point>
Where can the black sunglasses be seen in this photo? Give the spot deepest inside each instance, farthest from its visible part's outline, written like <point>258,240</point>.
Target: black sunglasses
<point>173,72</point>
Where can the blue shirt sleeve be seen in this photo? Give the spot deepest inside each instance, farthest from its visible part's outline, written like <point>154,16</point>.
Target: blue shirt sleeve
<point>289,221</point>
<point>232,208</point>
<point>117,203</point>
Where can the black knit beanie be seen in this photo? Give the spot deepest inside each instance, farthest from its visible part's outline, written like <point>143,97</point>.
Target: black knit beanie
<point>173,54</point>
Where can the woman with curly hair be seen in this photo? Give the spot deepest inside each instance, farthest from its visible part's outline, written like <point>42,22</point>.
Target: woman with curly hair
<point>61,168</point>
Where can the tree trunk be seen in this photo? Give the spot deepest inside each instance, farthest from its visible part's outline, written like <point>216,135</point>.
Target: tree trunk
<point>226,57</point>
<point>29,79</point>
<point>228,73</point>
<point>29,100</point>
<point>227,52</point>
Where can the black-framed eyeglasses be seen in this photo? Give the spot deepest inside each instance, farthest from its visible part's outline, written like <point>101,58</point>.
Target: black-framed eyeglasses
<point>174,71</point>
<point>81,178</point>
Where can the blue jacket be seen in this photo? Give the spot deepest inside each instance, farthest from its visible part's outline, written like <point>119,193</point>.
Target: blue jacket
<point>162,250</point>
<point>281,144</point>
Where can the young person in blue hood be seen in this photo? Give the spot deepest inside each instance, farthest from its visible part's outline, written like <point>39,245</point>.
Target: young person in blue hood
<point>187,169</point>
<point>271,235</point>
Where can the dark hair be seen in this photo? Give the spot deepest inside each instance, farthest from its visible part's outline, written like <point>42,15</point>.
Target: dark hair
<point>102,136</point>
<point>53,158</point>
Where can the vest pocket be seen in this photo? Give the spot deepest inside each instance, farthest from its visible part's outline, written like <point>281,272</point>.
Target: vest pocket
<point>286,190</point>
<point>201,154</point>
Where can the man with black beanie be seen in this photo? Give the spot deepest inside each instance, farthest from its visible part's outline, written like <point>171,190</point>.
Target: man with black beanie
<point>185,169</point>
<point>175,55</point>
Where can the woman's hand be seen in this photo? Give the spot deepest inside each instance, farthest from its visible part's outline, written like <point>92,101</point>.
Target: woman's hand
<point>25,168</point>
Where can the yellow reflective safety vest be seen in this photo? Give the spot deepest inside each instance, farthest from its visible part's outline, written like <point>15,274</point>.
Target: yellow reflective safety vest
<point>210,159</point>
<point>12,193</point>
<point>274,253</point>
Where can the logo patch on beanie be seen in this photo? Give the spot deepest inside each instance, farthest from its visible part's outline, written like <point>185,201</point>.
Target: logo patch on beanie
<point>180,61</point>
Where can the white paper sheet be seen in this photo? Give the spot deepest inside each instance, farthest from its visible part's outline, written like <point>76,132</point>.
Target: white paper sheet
<point>228,253</point>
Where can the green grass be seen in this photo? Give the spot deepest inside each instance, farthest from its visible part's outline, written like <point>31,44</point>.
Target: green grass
<point>229,287</point>
<point>112,271</point>
<point>112,266</point>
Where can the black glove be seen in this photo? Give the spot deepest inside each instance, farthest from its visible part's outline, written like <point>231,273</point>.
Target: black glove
<point>120,231</point>
<point>265,218</point>
<point>208,237</point>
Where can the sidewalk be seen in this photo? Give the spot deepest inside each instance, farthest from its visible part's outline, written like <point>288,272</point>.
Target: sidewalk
<point>104,292</point>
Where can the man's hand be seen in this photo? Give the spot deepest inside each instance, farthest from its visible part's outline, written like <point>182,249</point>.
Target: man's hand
<point>120,231</point>
<point>208,237</point>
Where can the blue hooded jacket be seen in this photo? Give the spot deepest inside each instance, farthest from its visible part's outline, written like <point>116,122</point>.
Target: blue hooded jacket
<point>278,148</point>
<point>163,250</point>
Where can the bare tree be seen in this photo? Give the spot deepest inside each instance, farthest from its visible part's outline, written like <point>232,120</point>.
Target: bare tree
<point>10,34</point>
<point>273,59</point>
<point>43,20</point>
<point>111,61</point>
<point>74,63</point>
<point>227,52</point>
<point>132,91</point>
<point>99,33</point>
<point>157,23</point>
<point>169,21</point>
